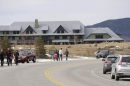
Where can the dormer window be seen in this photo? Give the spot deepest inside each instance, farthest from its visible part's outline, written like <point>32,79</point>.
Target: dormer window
<point>29,30</point>
<point>5,32</point>
<point>60,29</point>
<point>44,31</point>
<point>99,36</point>
<point>75,31</point>
<point>15,32</point>
<point>76,28</point>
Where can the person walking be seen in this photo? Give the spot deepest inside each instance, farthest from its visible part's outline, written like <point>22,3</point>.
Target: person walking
<point>2,57</point>
<point>8,55</point>
<point>55,55</point>
<point>66,53</point>
<point>16,57</point>
<point>60,54</point>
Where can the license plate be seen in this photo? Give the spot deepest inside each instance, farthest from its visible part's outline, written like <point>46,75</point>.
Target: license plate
<point>19,59</point>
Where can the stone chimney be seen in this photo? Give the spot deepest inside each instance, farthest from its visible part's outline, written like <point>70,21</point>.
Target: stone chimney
<point>36,23</point>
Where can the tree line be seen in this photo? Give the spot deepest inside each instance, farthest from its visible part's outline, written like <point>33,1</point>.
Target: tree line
<point>40,49</point>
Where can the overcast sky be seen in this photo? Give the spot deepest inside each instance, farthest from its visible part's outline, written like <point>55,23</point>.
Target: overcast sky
<point>87,11</point>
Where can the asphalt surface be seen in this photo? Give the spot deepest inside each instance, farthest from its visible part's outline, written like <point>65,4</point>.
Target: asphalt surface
<point>65,73</point>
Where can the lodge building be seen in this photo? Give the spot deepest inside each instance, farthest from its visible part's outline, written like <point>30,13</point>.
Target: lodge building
<point>57,32</point>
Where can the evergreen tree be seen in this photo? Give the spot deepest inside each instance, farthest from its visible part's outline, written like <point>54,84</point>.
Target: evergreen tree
<point>40,49</point>
<point>5,43</point>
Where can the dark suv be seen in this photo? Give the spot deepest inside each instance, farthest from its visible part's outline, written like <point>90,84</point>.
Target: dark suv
<point>110,59</point>
<point>26,56</point>
<point>104,53</point>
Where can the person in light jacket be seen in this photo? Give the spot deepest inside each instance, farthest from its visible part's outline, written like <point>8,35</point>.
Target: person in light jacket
<point>60,54</point>
<point>66,53</point>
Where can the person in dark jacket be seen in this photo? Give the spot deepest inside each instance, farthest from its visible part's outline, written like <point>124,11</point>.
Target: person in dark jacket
<point>16,57</point>
<point>2,57</point>
<point>66,53</point>
<point>8,55</point>
<point>58,55</point>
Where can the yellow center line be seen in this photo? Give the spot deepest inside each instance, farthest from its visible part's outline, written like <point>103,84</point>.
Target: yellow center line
<point>47,73</point>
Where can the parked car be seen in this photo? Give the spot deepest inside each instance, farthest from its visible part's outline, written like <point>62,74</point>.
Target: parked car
<point>121,67</point>
<point>26,56</point>
<point>110,59</point>
<point>95,53</point>
<point>104,53</point>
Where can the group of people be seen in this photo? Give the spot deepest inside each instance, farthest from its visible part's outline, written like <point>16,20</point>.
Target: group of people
<point>9,56</point>
<point>59,53</point>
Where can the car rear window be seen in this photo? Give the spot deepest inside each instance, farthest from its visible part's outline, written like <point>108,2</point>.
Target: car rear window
<point>103,51</point>
<point>126,59</point>
<point>111,52</point>
<point>23,53</point>
<point>111,58</point>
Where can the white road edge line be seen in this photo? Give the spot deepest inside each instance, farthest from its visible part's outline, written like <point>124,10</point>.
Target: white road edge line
<point>105,78</point>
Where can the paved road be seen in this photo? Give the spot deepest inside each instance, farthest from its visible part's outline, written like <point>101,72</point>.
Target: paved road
<point>66,73</point>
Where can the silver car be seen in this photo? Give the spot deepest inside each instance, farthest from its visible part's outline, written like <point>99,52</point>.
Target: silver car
<point>121,67</point>
<point>104,54</point>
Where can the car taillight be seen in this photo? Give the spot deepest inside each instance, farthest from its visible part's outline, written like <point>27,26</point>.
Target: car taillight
<point>107,62</point>
<point>120,63</point>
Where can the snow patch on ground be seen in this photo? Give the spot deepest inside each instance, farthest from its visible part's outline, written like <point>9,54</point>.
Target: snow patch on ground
<point>49,60</point>
<point>74,58</point>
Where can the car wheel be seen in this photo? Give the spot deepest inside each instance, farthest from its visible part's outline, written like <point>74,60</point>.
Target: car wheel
<point>34,60</point>
<point>112,76</point>
<point>27,60</point>
<point>104,71</point>
<point>22,61</point>
<point>116,77</point>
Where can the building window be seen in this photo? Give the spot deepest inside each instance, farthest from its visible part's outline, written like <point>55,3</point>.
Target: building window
<point>64,37</point>
<point>62,31</point>
<point>79,37</point>
<point>20,38</point>
<point>99,37</point>
<point>31,32</point>
<point>99,41</point>
<point>27,32</point>
<point>58,31</point>
<point>13,38</point>
<point>15,32</point>
<point>44,31</point>
<point>71,37</point>
<point>91,42</point>
<point>7,32</point>
<point>75,31</point>
<point>56,37</point>
<point>32,38</point>
<point>3,32</point>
